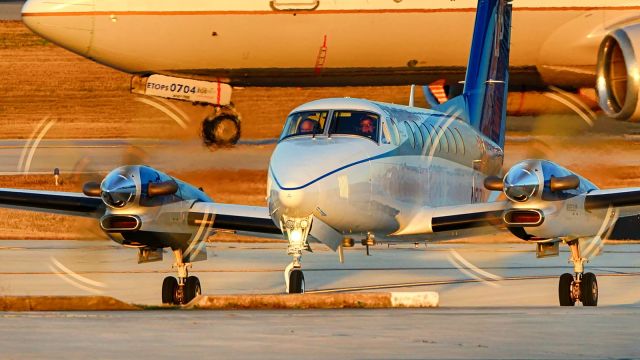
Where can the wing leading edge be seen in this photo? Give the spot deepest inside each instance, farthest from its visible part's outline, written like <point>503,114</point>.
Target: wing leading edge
<point>64,203</point>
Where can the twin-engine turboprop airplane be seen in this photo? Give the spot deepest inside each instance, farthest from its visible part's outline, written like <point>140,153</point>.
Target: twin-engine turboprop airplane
<point>353,168</point>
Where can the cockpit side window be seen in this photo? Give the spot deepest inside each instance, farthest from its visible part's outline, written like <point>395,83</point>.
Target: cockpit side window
<point>305,123</point>
<point>360,123</point>
<point>385,135</point>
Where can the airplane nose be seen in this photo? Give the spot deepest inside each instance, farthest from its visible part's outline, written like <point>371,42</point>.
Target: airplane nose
<point>68,24</point>
<point>298,203</point>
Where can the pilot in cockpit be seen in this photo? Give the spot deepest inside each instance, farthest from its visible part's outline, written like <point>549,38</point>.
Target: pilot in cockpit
<point>308,126</point>
<point>368,126</point>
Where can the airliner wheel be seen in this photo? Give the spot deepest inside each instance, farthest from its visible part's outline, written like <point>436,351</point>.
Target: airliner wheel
<point>191,288</point>
<point>169,287</point>
<point>222,130</point>
<point>589,290</point>
<point>565,290</point>
<point>296,282</point>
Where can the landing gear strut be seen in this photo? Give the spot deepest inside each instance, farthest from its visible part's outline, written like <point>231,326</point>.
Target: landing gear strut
<point>182,290</point>
<point>221,127</point>
<point>297,231</point>
<point>583,287</point>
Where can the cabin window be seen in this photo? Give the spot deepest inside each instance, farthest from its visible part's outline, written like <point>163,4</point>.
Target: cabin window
<point>359,123</point>
<point>424,131</point>
<point>410,134</point>
<point>459,141</point>
<point>305,123</point>
<point>416,134</point>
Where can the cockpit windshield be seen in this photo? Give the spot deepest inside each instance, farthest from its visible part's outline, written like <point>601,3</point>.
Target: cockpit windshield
<point>360,123</point>
<point>305,123</point>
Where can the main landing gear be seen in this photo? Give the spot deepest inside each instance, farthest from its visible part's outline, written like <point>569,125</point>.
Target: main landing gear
<point>221,127</point>
<point>182,290</point>
<point>583,287</point>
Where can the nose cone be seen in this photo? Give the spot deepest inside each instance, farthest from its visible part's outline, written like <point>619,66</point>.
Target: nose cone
<point>297,163</point>
<point>303,170</point>
<point>68,24</point>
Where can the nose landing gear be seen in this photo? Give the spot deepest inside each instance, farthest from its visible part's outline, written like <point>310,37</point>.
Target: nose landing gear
<point>182,290</point>
<point>297,231</point>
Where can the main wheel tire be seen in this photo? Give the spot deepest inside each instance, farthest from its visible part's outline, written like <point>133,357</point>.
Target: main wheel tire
<point>169,286</point>
<point>296,282</point>
<point>223,130</point>
<point>589,290</point>
<point>191,288</point>
<point>564,290</point>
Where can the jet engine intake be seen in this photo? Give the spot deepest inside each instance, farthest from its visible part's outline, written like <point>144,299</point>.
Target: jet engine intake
<point>618,75</point>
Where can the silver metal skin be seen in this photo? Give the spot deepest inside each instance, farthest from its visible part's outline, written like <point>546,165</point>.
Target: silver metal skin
<point>521,183</point>
<point>618,73</point>
<point>360,186</point>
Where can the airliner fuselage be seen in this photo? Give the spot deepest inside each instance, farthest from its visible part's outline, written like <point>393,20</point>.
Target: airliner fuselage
<point>316,42</point>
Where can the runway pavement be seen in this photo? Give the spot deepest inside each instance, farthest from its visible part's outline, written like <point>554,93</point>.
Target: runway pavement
<point>497,301</point>
<point>463,274</point>
<point>464,333</point>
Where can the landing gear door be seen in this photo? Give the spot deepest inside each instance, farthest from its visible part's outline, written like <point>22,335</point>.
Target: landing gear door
<point>289,5</point>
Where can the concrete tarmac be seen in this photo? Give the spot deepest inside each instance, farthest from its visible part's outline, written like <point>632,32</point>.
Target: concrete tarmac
<point>444,333</point>
<point>497,301</point>
<point>464,274</point>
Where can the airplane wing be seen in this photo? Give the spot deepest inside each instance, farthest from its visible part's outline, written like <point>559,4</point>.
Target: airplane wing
<point>252,220</point>
<point>626,199</point>
<point>64,203</point>
<point>452,218</point>
<point>255,221</point>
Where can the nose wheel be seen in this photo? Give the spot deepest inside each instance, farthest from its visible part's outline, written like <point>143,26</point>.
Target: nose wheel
<point>296,282</point>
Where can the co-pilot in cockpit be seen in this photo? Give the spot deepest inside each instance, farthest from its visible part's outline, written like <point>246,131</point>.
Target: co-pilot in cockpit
<point>343,122</point>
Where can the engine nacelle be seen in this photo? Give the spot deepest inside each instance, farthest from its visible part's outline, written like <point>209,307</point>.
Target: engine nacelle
<point>618,75</point>
<point>547,201</point>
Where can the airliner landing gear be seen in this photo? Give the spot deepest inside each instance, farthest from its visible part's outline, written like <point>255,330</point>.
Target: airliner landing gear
<point>297,231</point>
<point>182,290</point>
<point>221,127</point>
<point>583,287</point>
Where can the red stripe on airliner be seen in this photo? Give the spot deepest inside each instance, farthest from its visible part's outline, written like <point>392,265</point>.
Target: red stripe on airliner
<point>318,12</point>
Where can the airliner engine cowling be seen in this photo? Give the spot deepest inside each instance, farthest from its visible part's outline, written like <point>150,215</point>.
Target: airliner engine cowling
<point>618,74</point>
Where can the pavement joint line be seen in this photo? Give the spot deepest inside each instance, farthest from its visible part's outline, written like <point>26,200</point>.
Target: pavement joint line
<point>449,282</point>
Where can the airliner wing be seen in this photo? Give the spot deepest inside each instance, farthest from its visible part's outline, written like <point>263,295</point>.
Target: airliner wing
<point>64,203</point>
<point>452,218</point>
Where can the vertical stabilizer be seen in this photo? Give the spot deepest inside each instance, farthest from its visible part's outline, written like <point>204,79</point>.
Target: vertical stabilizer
<point>486,82</point>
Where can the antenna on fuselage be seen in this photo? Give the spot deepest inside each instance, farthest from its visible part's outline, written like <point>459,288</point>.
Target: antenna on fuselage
<point>412,94</point>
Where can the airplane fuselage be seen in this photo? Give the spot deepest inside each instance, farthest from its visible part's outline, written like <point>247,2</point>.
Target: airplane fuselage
<point>358,185</point>
<point>344,42</point>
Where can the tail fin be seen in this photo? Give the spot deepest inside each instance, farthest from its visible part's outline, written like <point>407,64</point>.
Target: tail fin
<point>486,82</point>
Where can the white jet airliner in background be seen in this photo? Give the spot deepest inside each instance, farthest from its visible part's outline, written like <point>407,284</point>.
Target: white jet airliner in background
<point>348,169</point>
<point>195,50</point>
